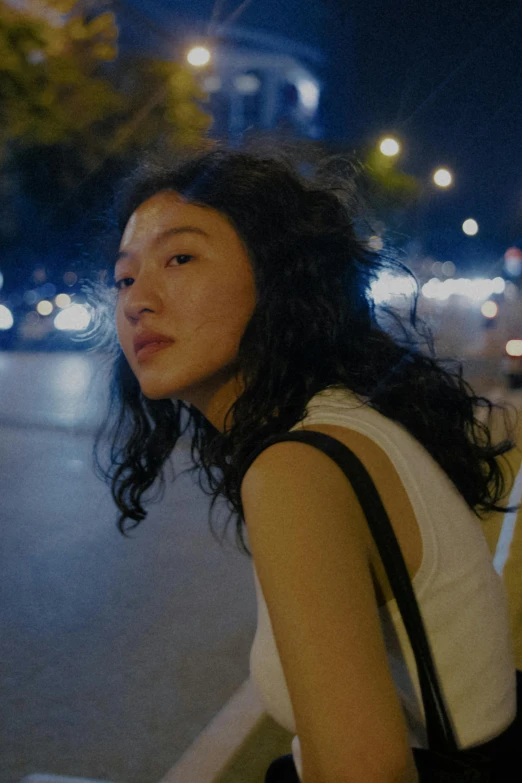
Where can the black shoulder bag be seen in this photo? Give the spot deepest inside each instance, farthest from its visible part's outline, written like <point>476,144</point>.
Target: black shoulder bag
<point>443,762</point>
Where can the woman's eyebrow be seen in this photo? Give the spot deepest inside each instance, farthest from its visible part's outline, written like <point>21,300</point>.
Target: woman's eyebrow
<point>167,233</point>
<point>181,230</point>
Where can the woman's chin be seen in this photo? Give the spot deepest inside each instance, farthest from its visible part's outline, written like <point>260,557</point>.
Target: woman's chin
<point>156,393</point>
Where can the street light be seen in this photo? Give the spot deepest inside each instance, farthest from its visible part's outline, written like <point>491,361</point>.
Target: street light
<point>442,178</point>
<point>389,147</point>
<point>198,56</point>
<point>470,227</point>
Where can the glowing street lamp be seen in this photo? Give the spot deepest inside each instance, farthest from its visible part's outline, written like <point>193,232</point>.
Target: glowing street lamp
<point>470,227</point>
<point>389,147</point>
<point>198,56</point>
<point>442,178</point>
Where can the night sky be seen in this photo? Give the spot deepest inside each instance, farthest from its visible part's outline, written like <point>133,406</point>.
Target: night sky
<point>446,77</point>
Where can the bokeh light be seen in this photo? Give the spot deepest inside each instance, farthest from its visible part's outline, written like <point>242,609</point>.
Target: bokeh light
<point>309,94</point>
<point>375,242</point>
<point>442,178</point>
<point>489,309</point>
<point>75,318</point>
<point>514,347</point>
<point>45,307</point>
<point>62,301</point>
<point>212,83</point>
<point>513,261</point>
<point>6,318</point>
<point>470,227</point>
<point>30,297</point>
<point>70,278</point>
<point>388,286</point>
<point>198,55</point>
<point>478,289</point>
<point>389,147</point>
<point>247,84</point>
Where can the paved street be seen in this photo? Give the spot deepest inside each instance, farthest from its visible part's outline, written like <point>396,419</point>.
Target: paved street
<point>116,652</point>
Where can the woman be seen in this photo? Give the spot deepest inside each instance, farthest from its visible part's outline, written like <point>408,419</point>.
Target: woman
<point>244,310</point>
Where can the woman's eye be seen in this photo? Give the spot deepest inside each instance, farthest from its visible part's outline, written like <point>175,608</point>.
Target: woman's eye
<point>183,255</point>
<point>122,282</point>
<point>119,284</point>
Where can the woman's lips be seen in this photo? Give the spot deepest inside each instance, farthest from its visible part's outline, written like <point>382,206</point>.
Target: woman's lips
<point>151,348</point>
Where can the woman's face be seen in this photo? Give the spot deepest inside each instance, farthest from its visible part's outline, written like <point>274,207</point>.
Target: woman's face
<point>184,277</point>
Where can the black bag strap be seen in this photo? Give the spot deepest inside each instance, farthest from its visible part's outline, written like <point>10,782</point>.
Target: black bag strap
<point>439,729</point>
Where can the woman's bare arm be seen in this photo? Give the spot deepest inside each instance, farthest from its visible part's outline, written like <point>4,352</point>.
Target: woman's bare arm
<point>305,531</point>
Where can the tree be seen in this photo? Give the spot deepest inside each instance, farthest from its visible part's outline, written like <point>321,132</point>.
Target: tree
<point>51,91</point>
<point>74,112</point>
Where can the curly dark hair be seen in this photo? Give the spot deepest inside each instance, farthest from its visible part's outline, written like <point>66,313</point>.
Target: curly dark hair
<point>314,325</point>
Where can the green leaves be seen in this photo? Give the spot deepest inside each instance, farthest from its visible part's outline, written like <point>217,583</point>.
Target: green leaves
<point>74,110</point>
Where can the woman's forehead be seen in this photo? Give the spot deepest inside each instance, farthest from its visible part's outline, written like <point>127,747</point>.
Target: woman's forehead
<point>162,211</point>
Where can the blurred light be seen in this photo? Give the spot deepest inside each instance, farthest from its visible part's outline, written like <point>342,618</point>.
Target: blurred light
<point>1,281</point>
<point>62,301</point>
<point>44,307</point>
<point>32,318</point>
<point>308,93</point>
<point>478,290</point>
<point>211,83</point>
<point>198,55</point>
<point>514,347</point>
<point>375,243</point>
<point>442,178</point>
<point>489,309</point>
<point>247,84</point>
<point>499,285</point>
<point>30,297</point>
<point>388,286</point>
<point>389,147</point>
<point>6,318</point>
<point>434,289</point>
<point>436,268</point>
<point>70,278</point>
<point>448,268</point>
<point>513,261</point>
<point>470,227</point>
<point>39,274</point>
<point>74,318</point>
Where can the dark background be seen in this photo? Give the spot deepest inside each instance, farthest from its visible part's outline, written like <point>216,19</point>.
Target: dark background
<point>445,78</point>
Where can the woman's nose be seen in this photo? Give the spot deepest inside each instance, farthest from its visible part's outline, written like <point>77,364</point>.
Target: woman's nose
<point>141,295</point>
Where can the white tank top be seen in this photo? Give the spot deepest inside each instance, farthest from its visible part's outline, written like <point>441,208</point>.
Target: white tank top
<point>461,597</point>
